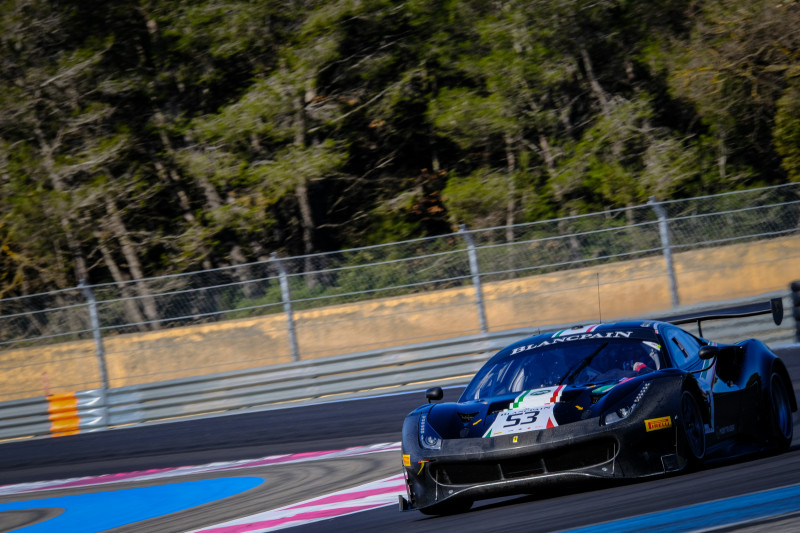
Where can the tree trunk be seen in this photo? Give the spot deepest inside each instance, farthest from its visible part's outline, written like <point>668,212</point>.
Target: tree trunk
<point>302,194</point>
<point>131,308</point>
<point>511,199</point>
<point>173,179</point>
<point>74,245</point>
<point>597,90</point>
<point>118,229</point>
<point>242,274</point>
<point>170,179</point>
<point>547,155</point>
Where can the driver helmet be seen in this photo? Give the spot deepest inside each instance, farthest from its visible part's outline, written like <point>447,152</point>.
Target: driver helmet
<point>647,360</point>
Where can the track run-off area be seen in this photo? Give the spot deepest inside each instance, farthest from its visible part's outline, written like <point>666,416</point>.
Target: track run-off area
<point>336,466</point>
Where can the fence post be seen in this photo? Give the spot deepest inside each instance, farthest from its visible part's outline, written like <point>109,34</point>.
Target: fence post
<point>476,275</point>
<point>663,229</point>
<point>101,422</point>
<point>98,338</point>
<point>287,304</point>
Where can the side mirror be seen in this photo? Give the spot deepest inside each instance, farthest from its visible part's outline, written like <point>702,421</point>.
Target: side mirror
<point>434,394</point>
<point>708,352</point>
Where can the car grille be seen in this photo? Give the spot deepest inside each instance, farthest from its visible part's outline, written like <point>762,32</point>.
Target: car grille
<point>565,459</point>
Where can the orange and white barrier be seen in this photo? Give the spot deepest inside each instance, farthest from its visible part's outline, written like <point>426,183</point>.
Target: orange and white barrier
<point>72,412</point>
<point>63,414</point>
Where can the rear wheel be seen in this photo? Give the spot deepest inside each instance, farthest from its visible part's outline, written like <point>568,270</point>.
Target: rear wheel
<point>694,432</point>
<point>780,415</point>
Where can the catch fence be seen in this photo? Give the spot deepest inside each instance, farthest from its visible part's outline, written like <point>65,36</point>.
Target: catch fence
<point>619,262</point>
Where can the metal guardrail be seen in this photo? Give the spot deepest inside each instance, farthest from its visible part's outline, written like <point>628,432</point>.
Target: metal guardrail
<point>56,415</point>
<point>445,362</point>
<point>453,360</point>
<point>448,361</point>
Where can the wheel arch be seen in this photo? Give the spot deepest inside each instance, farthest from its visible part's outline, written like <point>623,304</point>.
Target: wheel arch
<point>690,384</point>
<point>780,368</point>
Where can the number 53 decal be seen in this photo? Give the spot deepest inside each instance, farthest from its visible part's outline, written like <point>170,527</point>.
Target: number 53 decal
<point>521,420</point>
<point>516,419</point>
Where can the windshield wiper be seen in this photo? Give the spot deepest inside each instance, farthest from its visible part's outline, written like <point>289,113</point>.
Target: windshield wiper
<point>583,363</point>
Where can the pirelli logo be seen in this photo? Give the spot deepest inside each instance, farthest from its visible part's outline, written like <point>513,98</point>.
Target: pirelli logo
<point>406,459</point>
<point>654,424</point>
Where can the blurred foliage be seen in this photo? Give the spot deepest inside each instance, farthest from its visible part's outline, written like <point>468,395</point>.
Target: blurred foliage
<point>151,137</point>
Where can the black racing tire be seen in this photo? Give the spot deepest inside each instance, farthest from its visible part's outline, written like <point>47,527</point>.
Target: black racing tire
<point>692,429</point>
<point>781,425</point>
<point>448,507</point>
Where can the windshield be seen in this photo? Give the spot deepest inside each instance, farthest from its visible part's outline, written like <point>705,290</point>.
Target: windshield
<point>588,362</point>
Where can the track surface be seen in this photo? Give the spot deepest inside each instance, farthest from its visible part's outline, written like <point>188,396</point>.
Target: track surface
<point>560,512</point>
<point>356,423</point>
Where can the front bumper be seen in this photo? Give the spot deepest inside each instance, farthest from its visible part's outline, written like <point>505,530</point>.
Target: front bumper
<point>476,468</point>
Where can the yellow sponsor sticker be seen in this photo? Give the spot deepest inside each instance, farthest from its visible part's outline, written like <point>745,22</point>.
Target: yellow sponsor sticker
<point>406,460</point>
<point>515,439</point>
<point>654,424</point>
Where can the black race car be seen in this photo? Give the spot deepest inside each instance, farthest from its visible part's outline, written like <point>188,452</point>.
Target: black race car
<point>622,400</point>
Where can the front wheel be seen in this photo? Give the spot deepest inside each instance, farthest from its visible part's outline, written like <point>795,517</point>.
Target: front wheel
<point>694,433</point>
<point>780,413</point>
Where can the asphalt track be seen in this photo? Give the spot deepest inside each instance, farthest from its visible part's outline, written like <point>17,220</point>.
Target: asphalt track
<point>204,498</point>
<point>232,493</point>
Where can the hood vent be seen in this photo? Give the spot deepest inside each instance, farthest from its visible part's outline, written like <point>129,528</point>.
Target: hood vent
<point>466,417</point>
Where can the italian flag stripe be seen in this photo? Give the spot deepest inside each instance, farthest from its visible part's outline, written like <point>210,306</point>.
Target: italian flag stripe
<point>557,394</point>
<point>585,329</point>
<point>519,399</point>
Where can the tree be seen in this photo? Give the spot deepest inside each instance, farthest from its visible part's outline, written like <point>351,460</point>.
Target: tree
<point>56,128</point>
<point>734,68</point>
<point>787,128</point>
<point>140,138</point>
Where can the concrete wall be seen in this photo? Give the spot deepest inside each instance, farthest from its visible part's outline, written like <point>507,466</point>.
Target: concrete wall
<point>609,291</point>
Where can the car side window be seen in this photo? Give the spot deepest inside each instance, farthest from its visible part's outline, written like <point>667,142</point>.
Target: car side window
<point>683,347</point>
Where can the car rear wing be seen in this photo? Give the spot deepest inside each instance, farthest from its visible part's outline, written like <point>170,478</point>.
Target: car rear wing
<point>774,306</point>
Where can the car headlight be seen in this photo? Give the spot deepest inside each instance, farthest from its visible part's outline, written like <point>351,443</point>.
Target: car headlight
<point>428,438</point>
<point>624,412</point>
